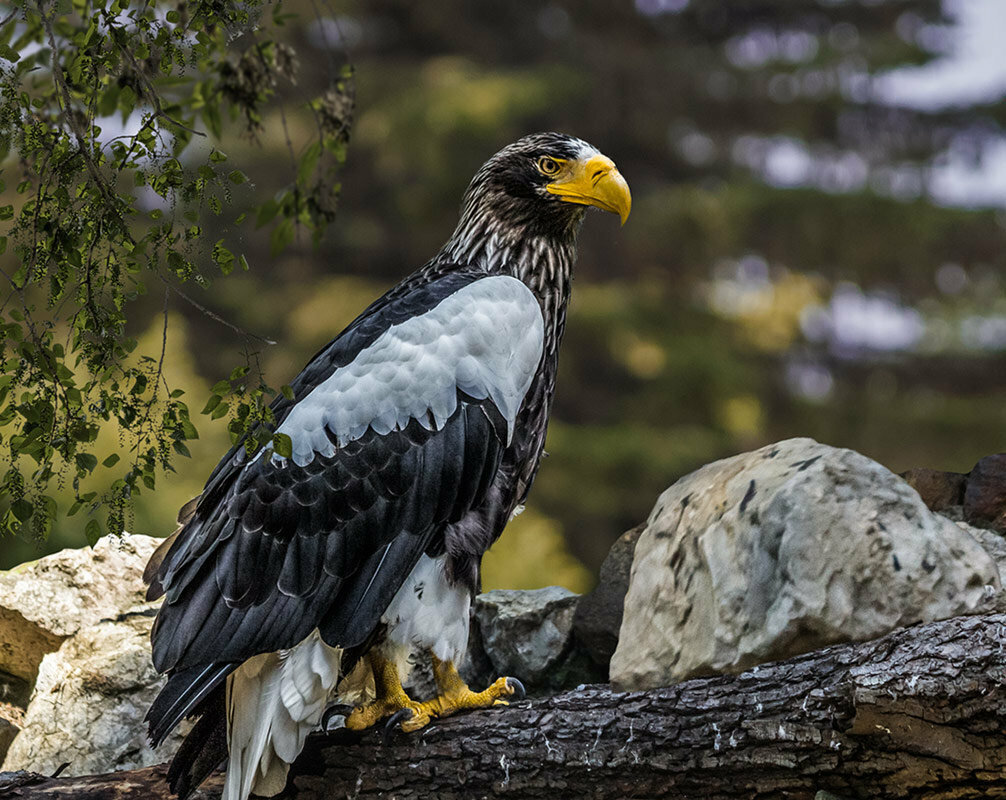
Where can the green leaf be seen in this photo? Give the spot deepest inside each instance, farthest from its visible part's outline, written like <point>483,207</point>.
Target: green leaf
<point>92,532</point>
<point>211,117</point>
<point>211,404</point>
<point>287,392</point>
<point>22,509</point>
<point>8,53</point>
<point>281,237</point>
<point>86,462</point>
<point>308,163</point>
<point>237,177</point>
<point>111,461</point>
<point>266,213</point>
<point>282,445</point>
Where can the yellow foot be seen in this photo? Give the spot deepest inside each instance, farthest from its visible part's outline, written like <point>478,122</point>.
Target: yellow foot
<point>391,699</point>
<point>454,696</point>
<point>416,715</point>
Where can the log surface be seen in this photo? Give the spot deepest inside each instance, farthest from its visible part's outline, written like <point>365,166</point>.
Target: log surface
<point>916,714</point>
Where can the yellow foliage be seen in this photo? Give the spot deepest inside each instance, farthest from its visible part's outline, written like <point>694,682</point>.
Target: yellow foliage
<point>331,305</point>
<point>742,415</point>
<point>532,554</point>
<point>770,315</point>
<point>641,357</point>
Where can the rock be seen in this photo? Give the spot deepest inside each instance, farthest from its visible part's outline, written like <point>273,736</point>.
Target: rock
<point>785,550</point>
<point>13,691</point>
<point>89,701</point>
<point>43,602</point>
<point>8,730</point>
<point>939,490</point>
<point>985,496</point>
<point>528,635</point>
<point>598,615</point>
<point>994,544</point>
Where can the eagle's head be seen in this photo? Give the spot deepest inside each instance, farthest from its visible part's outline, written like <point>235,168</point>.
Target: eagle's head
<point>540,186</point>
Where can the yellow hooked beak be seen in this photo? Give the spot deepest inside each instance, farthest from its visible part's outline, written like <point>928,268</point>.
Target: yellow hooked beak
<point>594,182</point>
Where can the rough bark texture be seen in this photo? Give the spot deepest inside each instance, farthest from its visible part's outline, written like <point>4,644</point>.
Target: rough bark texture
<point>916,714</point>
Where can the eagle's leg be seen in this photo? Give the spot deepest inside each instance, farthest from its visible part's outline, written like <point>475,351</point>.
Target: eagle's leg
<point>454,696</point>
<point>391,698</point>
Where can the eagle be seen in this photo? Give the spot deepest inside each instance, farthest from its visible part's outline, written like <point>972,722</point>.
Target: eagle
<point>414,437</point>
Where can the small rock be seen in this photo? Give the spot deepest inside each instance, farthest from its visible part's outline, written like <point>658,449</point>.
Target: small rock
<point>985,496</point>
<point>14,691</point>
<point>526,634</point>
<point>89,702</point>
<point>938,489</point>
<point>8,730</point>
<point>599,613</point>
<point>782,551</point>
<point>43,602</point>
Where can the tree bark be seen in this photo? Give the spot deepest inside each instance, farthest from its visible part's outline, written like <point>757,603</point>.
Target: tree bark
<point>916,714</point>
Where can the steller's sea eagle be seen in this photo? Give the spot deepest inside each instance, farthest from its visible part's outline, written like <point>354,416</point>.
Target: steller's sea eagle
<point>415,436</point>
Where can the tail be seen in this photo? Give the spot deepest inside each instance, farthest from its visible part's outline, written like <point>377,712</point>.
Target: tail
<point>274,701</point>
<point>190,692</point>
<point>203,750</point>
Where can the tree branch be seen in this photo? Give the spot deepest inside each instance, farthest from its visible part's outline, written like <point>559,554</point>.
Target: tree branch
<point>916,713</point>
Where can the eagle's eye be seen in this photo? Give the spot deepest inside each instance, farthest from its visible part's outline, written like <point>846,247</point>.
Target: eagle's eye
<point>548,166</point>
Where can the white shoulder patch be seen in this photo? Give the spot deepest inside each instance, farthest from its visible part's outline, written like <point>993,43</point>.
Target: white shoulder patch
<point>486,339</point>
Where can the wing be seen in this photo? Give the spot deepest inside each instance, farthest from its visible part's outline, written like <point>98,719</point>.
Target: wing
<point>398,429</point>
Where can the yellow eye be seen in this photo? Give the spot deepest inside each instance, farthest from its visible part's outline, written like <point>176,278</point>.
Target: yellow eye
<point>548,166</point>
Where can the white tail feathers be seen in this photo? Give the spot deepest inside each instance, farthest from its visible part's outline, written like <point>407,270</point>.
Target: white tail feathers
<point>274,701</point>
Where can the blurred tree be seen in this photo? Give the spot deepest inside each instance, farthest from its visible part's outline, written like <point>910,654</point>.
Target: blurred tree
<point>770,173</point>
<point>101,102</point>
<point>787,269</point>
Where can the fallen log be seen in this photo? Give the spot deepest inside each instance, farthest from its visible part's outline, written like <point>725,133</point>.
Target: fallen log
<point>917,713</point>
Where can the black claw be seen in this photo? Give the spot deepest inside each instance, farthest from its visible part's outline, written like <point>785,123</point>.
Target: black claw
<point>328,719</point>
<point>519,692</point>
<point>391,727</point>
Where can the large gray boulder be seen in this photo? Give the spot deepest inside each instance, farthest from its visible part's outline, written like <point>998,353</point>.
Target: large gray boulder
<point>89,702</point>
<point>784,550</point>
<point>43,602</point>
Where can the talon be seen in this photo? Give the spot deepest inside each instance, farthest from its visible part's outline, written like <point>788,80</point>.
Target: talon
<point>516,688</point>
<point>400,717</point>
<point>334,717</point>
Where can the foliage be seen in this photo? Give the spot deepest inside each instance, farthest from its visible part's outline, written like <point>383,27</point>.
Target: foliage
<point>103,105</point>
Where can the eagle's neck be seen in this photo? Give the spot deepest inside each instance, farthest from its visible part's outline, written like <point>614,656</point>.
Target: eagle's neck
<point>543,260</point>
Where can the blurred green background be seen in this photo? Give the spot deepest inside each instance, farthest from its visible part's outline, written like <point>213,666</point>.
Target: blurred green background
<point>816,246</point>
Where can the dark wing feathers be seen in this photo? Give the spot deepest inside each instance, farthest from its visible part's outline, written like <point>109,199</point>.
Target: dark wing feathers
<point>414,296</point>
<point>183,691</point>
<point>308,559</point>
